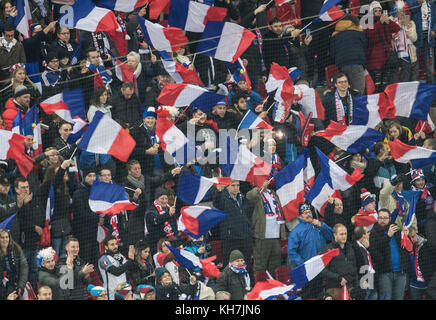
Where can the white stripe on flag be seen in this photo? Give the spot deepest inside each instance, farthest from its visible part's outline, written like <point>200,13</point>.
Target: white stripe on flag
<point>188,94</point>
<point>289,191</point>
<point>104,135</point>
<point>404,97</point>
<point>196,14</point>
<point>174,139</point>
<point>229,42</point>
<point>92,20</point>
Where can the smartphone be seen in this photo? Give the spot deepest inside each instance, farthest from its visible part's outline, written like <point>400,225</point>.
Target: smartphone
<point>385,12</point>
<point>307,32</point>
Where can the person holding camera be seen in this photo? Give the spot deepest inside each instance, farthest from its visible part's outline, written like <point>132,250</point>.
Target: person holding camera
<point>390,258</point>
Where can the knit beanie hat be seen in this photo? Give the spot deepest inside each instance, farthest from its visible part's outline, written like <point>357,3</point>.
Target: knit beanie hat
<point>88,170</point>
<point>417,174</point>
<point>95,291</point>
<point>366,197</point>
<point>373,5</point>
<point>235,255</point>
<point>159,272</point>
<point>51,56</point>
<point>144,289</point>
<point>303,207</point>
<point>161,191</point>
<point>21,90</point>
<point>149,112</point>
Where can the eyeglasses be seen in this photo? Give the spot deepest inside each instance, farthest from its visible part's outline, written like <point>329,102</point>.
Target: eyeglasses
<point>64,33</point>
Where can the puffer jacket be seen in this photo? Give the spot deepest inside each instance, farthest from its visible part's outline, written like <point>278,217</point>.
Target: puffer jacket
<point>348,44</point>
<point>231,282</point>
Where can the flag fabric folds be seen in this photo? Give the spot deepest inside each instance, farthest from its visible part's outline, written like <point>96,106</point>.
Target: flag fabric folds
<point>108,198</point>
<point>23,19</point>
<point>67,105</point>
<point>269,289</point>
<point>122,5</point>
<point>280,80</point>
<point>196,221</point>
<point>418,156</point>
<point>252,121</point>
<point>12,147</point>
<point>370,110</point>
<point>329,11</point>
<point>106,136</point>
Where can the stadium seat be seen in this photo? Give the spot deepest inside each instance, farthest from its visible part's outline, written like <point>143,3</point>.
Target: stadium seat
<point>260,275</point>
<point>217,247</point>
<point>329,72</point>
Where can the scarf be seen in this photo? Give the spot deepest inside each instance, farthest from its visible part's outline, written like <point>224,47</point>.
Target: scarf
<point>103,74</point>
<point>114,224</point>
<point>242,270</point>
<point>368,256</point>
<point>401,205</point>
<point>260,41</point>
<point>167,228</point>
<point>269,211</point>
<point>418,272</point>
<point>10,270</point>
<point>67,45</point>
<point>138,183</point>
<point>147,265</point>
<point>276,167</point>
<point>402,43</point>
<point>340,108</point>
<point>50,77</point>
<point>426,195</point>
<point>7,45</point>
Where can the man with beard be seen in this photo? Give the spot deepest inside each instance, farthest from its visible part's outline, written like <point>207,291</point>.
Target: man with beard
<point>114,266</point>
<point>391,260</point>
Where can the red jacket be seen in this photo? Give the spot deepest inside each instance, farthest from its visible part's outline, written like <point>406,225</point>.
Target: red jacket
<point>9,114</point>
<point>376,55</point>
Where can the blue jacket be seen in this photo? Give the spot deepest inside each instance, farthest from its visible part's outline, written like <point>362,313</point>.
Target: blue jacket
<point>417,18</point>
<point>306,241</point>
<point>253,99</point>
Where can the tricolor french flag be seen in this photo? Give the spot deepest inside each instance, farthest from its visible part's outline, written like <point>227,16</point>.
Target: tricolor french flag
<point>308,270</point>
<point>7,223</point>
<point>239,163</point>
<point>160,38</point>
<point>252,121</point>
<point>46,236</point>
<point>106,136</point>
<point>192,188</point>
<point>87,16</point>
<point>352,138</point>
<point>183,94</point>
<point>309,171</point>
<point>79,128</point>
<point>331,178</point>
<point>191,261</point>
<point>418,156</point>
<point>174,141</point>
<point>178,72</point>
<point>198,220</point>
<point>224,41</point>
<point>280,80</point>
<point>365,218</point>
<point>193,16</point>
<point>281,111</point>
<point>123,71</point>
<point>23,19</point>
<point>411,99</point>
<point>108,198</point>
<point>12,147</point>
<point>122,5</point>
<point>290,186</point>
<point>405,240</point>
<point>156,8</point>
<point>371,109</point>
<point>238,64</point>
<point>329,11</point>
<point>30,120</point>
<point>269,289</point>
<point>67,105</point>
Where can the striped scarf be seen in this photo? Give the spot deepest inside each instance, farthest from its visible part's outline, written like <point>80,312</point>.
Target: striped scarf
<point>242,270</point>
<point>167,228</point>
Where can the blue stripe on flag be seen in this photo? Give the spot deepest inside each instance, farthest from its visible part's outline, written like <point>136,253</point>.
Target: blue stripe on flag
<point>207,101</point>
<point>210,38</point>
<point>83,145</point>
<point>178,14</point>
<point>369,138</point>
<point>361,113</point>
<point>423,101</point>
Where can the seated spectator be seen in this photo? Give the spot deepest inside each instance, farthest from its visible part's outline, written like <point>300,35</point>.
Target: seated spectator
<point>123,291</point>
<point>45,293</point>
<point>147,292</point>
<point>98,292</point>
<point>167,289</point>
<point>11,51</point>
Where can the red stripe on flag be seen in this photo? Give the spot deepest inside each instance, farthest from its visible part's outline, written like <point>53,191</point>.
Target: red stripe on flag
<point>319,107</point>
<point>399,149</point>
<point>259,172</point>
<point>170,92</point>
<point>215,14</point>
<point>291,209</point>
<point>122,146</point>
<point>356,176</point>
<point>189,221</point>
<point>327,257</point>
<point>246,40</point>
<point>176,37</point>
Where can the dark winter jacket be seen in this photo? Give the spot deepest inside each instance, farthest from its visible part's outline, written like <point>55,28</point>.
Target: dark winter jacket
<point>80,285</point>
<point>8,207</point>
<point>348,44</point>
<point>128,111</point>
<point>231,282</point>
<point>29,216</point>
<point>156,224</point>
<point>175,291</point>
<point>17,273</point>
<point>427,254</point>
<point>329,103</point>
<point>50,278</point>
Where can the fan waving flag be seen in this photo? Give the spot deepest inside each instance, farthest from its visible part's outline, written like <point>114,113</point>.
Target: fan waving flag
<point>193,16</point>
<point>79,128</point>
<point>122,5</point>
<point>308,270</point>
<point>192,188</point>
<point>224,41</point>
<point>352,138</point>
<point>411,99</point>
<point>108,198</point>
<point>66,105</point>
<point>12,147</point>
<point>191,261</point>
<point>197,221</point>
<point>239,163</point>
<point>290,186</point>
<point>280,80</point>
<point>252,121</point>
<point>183,94</point>
<point>23,19</point>
<point>174,141</point>
<point>106,136</point>
<point>29,125</point>
<point>46,237</point>
<point>269,289</point>
<point>178,72</point>
<point>331,178</point>
<point>162,39</point>
<point>370,110</point>
<point>86,16</point>
<point>418,156</point>
<point>7,223</point>
<point>329,11</point>
<point>311,102</point>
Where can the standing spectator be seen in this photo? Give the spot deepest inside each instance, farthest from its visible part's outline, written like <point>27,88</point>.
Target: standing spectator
<point>341,271</point>
<point>334,214</point>
<point>77,272</point>
<point>13,266</point>
<point>114,266</point>
<point>32,218</point>
<point>142,272</point>
<point>47,276</point>
<point>391,261</point>
<point>424,17</point>
<point>235,231</point>
<point>8,12</point>
<point>347,47</point>
<point>427,262</point>
<point>40,39</point>
<point>223,118</point>
<point>417,285</point>
<point>53,78</point>
<point>11,51</point>
<point>99,102</point>
<point>235,278</point>
<point>21,102</point>
<point>381,61</point>
<point>427,194</point>
<point>364,262</point>
<point>126,106</point>
<point>338,103</point>
<point>85,223</point>
<point>8,206</point>
<point>269,228</point>
<point>240,85</point>
<point>62,42</point>
<point>305,241</point>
